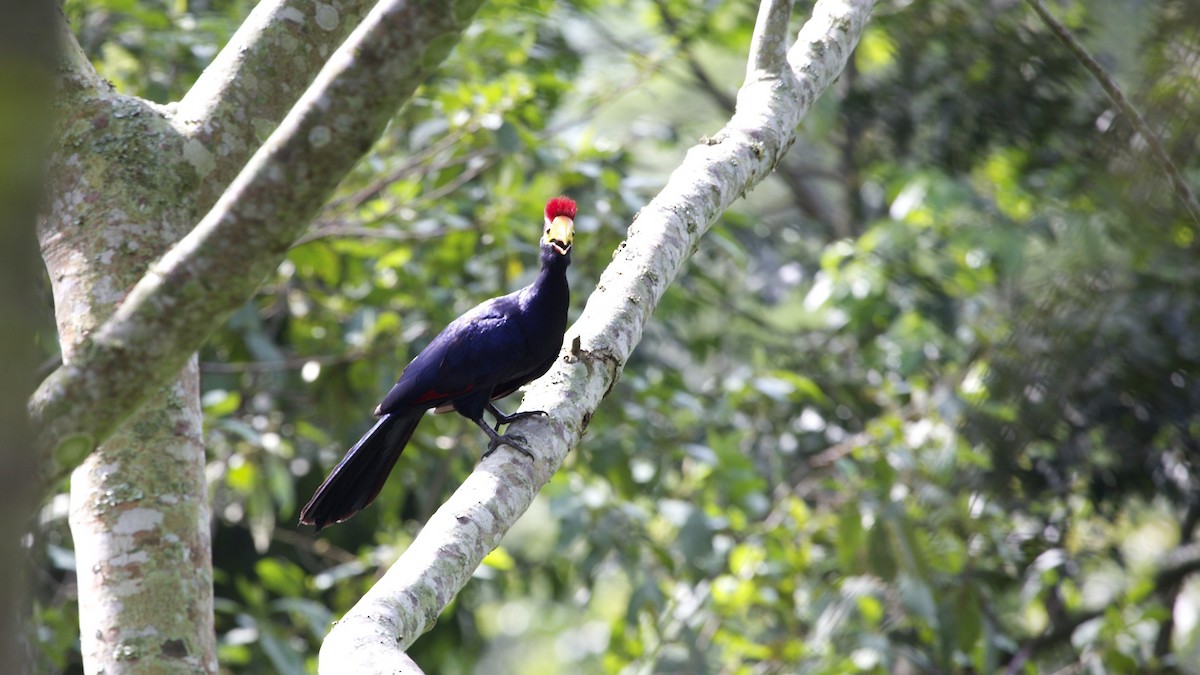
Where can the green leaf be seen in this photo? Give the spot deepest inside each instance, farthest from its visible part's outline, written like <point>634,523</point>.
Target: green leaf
<point>219,402</point>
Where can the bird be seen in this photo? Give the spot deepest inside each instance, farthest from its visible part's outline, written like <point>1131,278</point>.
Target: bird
<point>484,355</point>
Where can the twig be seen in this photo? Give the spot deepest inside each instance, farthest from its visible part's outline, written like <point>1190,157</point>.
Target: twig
<point>769,43</point>
<point>380,184</point>
<point>805,197</point>
<point>461,179</point>
<point>320,548</point>
<point>340,229</point>
<point>293,363</point>
<point>1182,190</point>
<point>1053,636</point>
<point>718,95</point>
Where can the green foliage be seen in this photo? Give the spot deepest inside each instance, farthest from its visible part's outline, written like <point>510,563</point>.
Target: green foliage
<point>927,402</point>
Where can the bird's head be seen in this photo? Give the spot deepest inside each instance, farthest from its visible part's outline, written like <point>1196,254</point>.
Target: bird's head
<point>560,225</point>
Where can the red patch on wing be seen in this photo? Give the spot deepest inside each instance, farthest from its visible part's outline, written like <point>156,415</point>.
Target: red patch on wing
<point>434,394</point>
<point>560,206</point>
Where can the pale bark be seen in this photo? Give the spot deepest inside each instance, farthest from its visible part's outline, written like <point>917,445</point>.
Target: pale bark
<point>128,181</point>
<point>211,272</point>
<point>777,94</point>
<point>118,197</point>
<point>255,79</point>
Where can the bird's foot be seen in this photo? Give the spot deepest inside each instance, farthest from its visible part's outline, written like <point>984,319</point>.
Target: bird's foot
<point>509,419</point>
<point>511,440</point>
<point>502,419</point>
<point>497,439</point>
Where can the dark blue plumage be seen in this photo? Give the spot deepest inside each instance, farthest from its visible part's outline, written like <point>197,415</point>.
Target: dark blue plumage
<point>485,354</point>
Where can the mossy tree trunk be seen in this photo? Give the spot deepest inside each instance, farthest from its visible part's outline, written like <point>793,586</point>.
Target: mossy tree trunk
<point>138,284</point>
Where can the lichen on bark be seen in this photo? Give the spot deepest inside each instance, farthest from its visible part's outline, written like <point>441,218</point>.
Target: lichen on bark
<point>129,180</point>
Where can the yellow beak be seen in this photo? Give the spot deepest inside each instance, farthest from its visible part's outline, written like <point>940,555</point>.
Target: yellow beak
<point>560,233</point>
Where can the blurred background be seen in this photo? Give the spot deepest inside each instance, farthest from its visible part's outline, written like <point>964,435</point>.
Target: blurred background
<point>924,401</point>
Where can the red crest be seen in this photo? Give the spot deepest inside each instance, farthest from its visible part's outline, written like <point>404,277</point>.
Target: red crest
<point>560,206</point>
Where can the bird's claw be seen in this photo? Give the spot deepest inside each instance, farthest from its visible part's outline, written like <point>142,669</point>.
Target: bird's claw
<point>526,413</point>
<point>511,440</point>
<point>502,419</point>
<point>509,419</point>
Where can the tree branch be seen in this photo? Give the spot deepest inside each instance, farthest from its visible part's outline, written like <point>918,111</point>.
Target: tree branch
<point>339,229</point>
<point>769,44</point>
<point>1177,564</point>
<point>1182,190</point>
<point>807,198</point>
<point>407,600</point>
<point>211,272</point>
<point>1052,637</point>
<point>1173,570</point>
<point>240,96</point>
<point>290,363</point>
<point>76,74</point>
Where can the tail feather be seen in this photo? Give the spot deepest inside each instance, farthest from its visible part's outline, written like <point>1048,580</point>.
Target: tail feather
<point>357,479</point>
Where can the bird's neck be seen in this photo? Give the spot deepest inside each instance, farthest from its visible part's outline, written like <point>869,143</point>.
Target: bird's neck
<point>551,281</point>
<point>554,264</point>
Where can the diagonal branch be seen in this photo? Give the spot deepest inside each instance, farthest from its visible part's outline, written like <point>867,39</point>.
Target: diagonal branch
<point>241,95</point>
<point>211,272</point>
<point>407,600</point>
<point>1182,190</point>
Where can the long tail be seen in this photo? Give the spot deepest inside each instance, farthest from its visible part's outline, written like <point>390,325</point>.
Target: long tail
<point>357,479</point>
